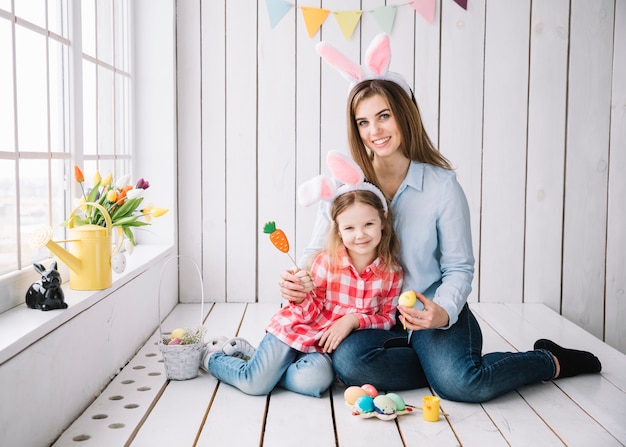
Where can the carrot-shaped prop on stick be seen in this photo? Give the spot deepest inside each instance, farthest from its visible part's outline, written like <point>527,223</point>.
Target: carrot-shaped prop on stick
<point>279,239</point>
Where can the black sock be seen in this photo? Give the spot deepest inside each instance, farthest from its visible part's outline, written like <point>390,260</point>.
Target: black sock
<point>571,361</point>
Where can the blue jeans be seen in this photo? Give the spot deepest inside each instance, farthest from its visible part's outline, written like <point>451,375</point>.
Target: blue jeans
<point>275,363</point>
<point>450,361</point>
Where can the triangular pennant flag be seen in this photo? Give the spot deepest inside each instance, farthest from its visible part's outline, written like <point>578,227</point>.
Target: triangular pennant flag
<point>385,16</point>
<point>347,21</point>
<point>277,9</point>
<point>313,18</point>
<point>462,3</point>
<point>425,8</point>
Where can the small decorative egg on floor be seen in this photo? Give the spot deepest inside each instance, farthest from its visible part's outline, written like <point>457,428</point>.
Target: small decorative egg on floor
<point>367,402</point>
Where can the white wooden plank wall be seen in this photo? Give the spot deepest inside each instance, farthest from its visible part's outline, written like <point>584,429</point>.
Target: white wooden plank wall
<point>526,98</point>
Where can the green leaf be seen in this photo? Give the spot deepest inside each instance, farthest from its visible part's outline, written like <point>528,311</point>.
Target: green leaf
<point>269,227</point>
<point>93,193</point>
<point>130,235</point>
<point>127,208</point>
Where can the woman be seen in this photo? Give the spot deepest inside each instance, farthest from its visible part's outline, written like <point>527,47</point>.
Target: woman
<point>443,350</point>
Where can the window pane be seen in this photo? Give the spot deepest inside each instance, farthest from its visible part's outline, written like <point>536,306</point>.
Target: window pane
<point>105,111</point>
<point>8,217</point>
<point>57,17</point>
<point>88,24</point>
<point>34,200</point>
<point>60,180</point>
<point>31,90</point>
<point>6,87</point>
<point>33,11</point>
<point>122,115</point>
<point>89,108</point>
<point>59,98</point>
<point>121,34</point>
<point>105,31</point>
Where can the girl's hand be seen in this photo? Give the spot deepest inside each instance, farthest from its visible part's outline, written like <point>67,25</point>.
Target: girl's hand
<point>306,280</point>
<point>433,316</point>
<point>339,330</point>
<point>291,288</point>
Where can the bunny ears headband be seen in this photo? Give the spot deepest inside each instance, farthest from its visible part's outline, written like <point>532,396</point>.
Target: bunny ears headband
<point>376,64</point>
<point>344,170</point>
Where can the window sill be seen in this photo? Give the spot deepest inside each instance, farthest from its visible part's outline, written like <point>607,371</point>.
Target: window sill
<point>20,326</point>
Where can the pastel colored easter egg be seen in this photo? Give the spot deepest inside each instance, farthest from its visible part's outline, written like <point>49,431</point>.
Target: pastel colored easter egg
<point>352,393</point>
<point>174,341</point>
<point>364,404</point>
<point>407,299</point>
<point>400,405</point>
<point>384,405</point>
<point>118,262</point>
<point>370,390</point>
<point>178,333</point>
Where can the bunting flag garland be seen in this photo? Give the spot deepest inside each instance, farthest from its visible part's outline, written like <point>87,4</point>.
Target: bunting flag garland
<point>348,20</point>
<point>462,3</point>
<point>276,9</point>
<point>425,8</point>
<point>385,16</point>
<point>313,18</point>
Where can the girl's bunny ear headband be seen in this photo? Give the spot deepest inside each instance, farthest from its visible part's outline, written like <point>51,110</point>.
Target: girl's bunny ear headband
<point>345,171</point>
<point>376,65</point>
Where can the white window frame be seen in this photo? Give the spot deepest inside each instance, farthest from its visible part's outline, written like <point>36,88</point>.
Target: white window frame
<point>117,157</point>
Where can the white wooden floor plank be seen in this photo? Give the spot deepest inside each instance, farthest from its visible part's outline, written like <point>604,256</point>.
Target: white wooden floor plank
<point>184,403</point>
<point>355,431</point>
<point>516,421</point>
<point>600,398</point>
<point>297,420</point>
<point>114,416</point>
<point>417,432</point>
<point>234,419</point>
<point>223,425</point>
<point>579,411</point>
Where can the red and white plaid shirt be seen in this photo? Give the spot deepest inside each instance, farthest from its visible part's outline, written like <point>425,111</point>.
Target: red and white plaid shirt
<point>339,291</point>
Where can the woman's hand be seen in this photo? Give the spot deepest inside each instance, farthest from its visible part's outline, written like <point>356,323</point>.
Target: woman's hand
<point>291,287</point>
<point>338,331</point>
<point>433,316</point>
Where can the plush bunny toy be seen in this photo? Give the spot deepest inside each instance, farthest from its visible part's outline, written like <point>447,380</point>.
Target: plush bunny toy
<point>346,173</point>
<point>46,294</point>
<point>376,66</point>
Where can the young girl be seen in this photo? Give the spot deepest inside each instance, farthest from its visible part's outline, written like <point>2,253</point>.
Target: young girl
<point>351,285</point>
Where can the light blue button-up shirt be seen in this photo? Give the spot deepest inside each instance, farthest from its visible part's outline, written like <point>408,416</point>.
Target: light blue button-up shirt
<point>432,221</point>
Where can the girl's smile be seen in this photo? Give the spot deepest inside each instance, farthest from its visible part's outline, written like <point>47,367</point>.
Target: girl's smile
<point>360,229</point>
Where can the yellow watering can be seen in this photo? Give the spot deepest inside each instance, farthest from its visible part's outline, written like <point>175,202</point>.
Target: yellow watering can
<point>89,255</point>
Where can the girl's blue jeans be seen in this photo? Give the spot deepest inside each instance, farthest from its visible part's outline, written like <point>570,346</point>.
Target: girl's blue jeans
<point>275,363</point>
<point>450,361</point>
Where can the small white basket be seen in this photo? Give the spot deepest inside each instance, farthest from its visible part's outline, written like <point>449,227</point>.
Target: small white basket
<point>182,362</point>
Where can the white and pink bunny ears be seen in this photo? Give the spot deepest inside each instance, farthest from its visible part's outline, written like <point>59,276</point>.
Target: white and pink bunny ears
<point>344,170</point>
<point>376,64</point>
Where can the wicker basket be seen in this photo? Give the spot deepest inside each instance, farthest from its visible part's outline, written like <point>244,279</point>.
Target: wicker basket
<point>182,362</point>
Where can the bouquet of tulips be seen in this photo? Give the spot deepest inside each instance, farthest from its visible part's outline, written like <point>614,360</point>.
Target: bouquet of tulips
<point>121,200</point>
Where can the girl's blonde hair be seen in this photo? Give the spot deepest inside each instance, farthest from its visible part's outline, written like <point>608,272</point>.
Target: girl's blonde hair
<point>415,145</point>
<point>389,245</point>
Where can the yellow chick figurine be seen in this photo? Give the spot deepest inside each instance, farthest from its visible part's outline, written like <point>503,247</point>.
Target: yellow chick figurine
<point>407,299</point>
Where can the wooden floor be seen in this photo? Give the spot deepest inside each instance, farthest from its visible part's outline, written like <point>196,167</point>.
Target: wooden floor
<point>141,408</point>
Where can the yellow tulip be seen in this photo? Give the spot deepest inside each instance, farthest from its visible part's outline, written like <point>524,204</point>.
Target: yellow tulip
<point>96,178</point>
<point>107,180</point>
<point>158,212</point>
<point>112,196</point>
<point>146,211</point>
